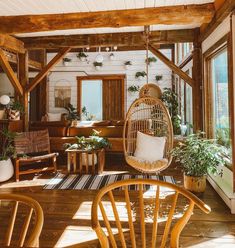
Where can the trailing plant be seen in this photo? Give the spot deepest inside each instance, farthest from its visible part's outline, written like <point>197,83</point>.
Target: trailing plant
<point>150,60</point>
<point>92,143</point>
<point>199,156</point>
<point>82,55</point>
<point>158,77</point>
<point>140,74</point>
<point>72,113</point>
<point>17,106</point>
<point>128,63</point>
<point>170,99</point>
<point>133,88</point>
<point>8,149</point>
<point>98,64</point>
<point>67,60</point>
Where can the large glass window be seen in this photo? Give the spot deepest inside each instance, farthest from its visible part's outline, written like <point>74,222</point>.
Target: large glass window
<point>219,83</point>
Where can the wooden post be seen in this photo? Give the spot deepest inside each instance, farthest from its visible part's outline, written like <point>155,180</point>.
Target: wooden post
<point>197,86</point>
<point>24,79</point>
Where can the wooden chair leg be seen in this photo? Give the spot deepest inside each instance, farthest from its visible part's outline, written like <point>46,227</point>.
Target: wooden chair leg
<point>17,170</point>
<point>54,163</point>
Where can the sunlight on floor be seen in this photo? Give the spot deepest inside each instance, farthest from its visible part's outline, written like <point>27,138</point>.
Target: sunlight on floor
<point>26,183</point>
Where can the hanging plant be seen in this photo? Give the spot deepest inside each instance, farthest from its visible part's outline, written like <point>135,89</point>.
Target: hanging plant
<point>140,74</point>
<point>111,56</point>
<point>158,77</point>
<point>66,61</point>
<point>133,88</point>
<point>98,65</point>
<point>128,63</point>
<point>82,56</point>
<point>150,60</point>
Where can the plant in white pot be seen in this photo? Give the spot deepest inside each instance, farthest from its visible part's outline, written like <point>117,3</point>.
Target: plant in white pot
<point>82,56</point>
<point>7,152</point>
<point>127,64</point>
<point>132,89</point>
<point>98,65</point>
<point>66,61</point>
<point>140,75</point>
<point>15,110</point>
<point>72,115</point>
<point>199,157</point>
<point>150,61</point>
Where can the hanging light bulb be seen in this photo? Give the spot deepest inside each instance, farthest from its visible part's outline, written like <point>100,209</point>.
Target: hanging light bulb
<point>115,48</point>
<point>107,49</point>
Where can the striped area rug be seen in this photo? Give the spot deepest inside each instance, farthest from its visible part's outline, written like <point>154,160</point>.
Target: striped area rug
<point>96,182</point>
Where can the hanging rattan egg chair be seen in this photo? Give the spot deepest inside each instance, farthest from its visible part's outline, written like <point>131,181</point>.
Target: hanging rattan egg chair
<point>147,115</point>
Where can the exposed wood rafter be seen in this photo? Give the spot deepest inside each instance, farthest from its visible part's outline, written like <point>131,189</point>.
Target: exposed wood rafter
<point>177,15</point>
<point>109,39</point>
<point>10,73</point>
<point>12,44</point>
<point>47,68</point>
<point>171,65</point>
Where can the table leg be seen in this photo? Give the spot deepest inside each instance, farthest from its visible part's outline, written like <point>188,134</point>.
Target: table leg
<point>87,162</point>
<point>101,161</point>
<point>80,163</point>
<point>68,161</point>
<point>74,162</point>
<point>93,162</point>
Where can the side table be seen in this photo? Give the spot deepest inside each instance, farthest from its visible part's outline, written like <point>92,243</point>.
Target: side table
<point>76,154</point>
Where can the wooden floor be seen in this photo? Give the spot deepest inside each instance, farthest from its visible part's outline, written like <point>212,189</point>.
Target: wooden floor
<point>67,214</point>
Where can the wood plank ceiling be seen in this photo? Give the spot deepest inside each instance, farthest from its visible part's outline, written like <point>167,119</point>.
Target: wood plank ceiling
<point>32,7</point>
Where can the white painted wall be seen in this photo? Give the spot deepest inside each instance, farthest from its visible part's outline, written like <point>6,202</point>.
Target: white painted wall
<point>66,75</point>
<point>6,87</point>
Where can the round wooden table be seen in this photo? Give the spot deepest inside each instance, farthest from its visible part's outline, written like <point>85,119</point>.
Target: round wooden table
<point>83,157</point>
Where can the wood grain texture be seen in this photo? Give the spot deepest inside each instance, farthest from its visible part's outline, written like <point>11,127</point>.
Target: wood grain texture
<point>127,39</point>
<point>177,15</point>
<point>11,43</point>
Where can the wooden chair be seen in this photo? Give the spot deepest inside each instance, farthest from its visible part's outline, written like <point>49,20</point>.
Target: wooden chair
<point>150,116</point>
<point>139,209</point>
<point>28,209</point>
<point>33,147</point>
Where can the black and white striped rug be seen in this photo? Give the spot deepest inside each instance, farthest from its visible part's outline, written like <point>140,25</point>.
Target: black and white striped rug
<point>96,182</point>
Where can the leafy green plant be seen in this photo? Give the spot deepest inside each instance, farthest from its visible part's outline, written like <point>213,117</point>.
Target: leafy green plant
<point>82,55</point>
<point>8,149</point>
<point>98,64</point>
<point>158,77</point>
<point>72,113</point>
<point>128,63</point>
<point>170,99</point>
<point>16,105</point>
<point>223,137</point>
<point>133,88</point>
<point>140,74</point>
<point>199,156</point>
<point>87,115</point>
<point>92,143</point>
<point>67,60</point>
<point>150,60</point>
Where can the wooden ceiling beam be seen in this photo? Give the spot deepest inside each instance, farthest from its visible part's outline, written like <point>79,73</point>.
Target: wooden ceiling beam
<point>43,73</point>
<point>11,43</point>
<point>127,39</point>
<point>171,65</point>
<point>225,8</point>
<point>168,15</point>
<point>10,73</point>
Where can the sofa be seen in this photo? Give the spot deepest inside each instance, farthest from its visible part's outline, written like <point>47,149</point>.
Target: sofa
<point>61,132</point>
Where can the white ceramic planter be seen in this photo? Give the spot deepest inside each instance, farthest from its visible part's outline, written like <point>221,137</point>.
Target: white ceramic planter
<point>14,115</point>
<point>127,67</point>
<point>66,63</point>
<point>6,170</point>
<point>83,59</point>
<point>98,68</point>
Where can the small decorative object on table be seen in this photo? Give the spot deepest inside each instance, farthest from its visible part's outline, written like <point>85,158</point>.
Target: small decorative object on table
<point>15,110</point>
<point>91,151</point>
<point>199,157</point>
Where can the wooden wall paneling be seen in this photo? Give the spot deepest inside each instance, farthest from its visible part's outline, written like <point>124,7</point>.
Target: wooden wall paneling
<point>177,15</point>
<point>197,86</point>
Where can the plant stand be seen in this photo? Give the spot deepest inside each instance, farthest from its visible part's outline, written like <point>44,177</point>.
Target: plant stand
<point>86,158</point>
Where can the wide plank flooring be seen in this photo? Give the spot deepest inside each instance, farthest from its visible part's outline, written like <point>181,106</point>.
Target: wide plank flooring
<point>67,213</point>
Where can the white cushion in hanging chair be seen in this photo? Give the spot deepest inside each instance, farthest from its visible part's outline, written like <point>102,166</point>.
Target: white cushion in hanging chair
<point>149,148</point>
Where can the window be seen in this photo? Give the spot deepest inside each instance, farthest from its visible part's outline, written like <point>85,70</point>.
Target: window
<point>101,97</point>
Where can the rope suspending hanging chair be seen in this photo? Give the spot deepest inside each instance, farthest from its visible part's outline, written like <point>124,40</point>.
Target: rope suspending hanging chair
<point>147,115</point>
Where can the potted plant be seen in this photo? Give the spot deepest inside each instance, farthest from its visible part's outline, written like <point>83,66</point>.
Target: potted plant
<point>170,99</point>
<point>98,65</point>
<point>199,157</point>
<point>66,61</point>
<point>72,115</point>
<point>127,64</point>
<point>150,61</point>
<point>133,88</point>
<point>7,152</point>
<point>158,77</point>
<point>140,74</point>
<point>111,56</point>
<point>87,115</point>
<point>15,110</point>
<point>82,56</point>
